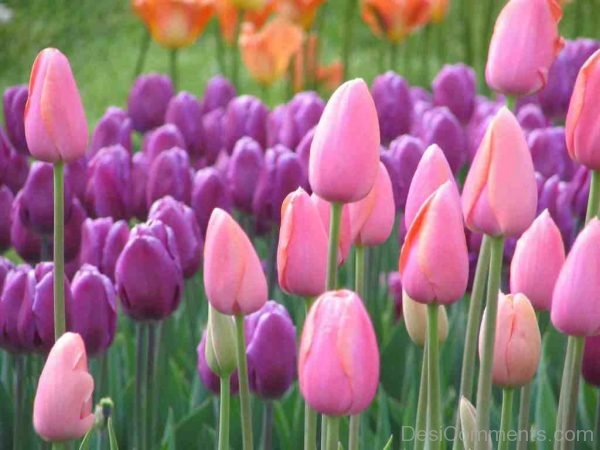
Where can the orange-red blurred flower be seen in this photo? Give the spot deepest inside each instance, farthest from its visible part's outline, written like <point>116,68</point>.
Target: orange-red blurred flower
<point>438,10</point>
<point>395,19</point>
<point>307,69</point>
<point>174,23</point>
<point>228,15</point>
<point>302,12</point>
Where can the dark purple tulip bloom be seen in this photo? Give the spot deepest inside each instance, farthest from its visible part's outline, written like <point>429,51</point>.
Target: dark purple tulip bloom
<point>113,128</point>
<point>185,112</point>
<point>209,379</point>
<point>19,170</point>
<point>209,192</point>
<point>170,174</point>
<point>454,87</point>
<point>148,272</point>
<point>395,288</point>
<point>390,164</point>
<point>243,172</point>
<point>557,197</point>
<point>6,201</point>
<point>245,116</point>
<point>162,138</point>
<point>6,152</point>
<point>5,266</point>
<point>441,127</point>
<point>591,360</point>
<point>148,100</point>
<point>549,152</point>
<point>419,94</point>
<point>26,242</point>
<point>394,105</point>
<point>73,230</point>
<point>406,152</point>
<point>186,230</point>
<point>102,241</point>
<point>212,129</point>
<point>580,185</point>
<point>271,350</point>
<point>108,190</point>
<point>76,176</point>
<point>140,166</point>
<point>218,93</point>
<point>15,99</point>
<point>93,312</point>
<point>531,117</point>
<point>288,124</point>
<point>303,150</point>
<point>17,286</point>
<point>485,110</point>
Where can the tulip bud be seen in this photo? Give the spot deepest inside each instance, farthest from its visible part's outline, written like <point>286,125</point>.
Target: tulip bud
<point>531,117</point>
<point>55,123</point>
<point>304,111</point>
<point>148,273</point>
<point>591,360</point>
<point>6,152</point>
<point>140,166</point>
<point>73,231</point>
<point>346,141</point>
<point>213,139</point>
<point>221,343</point>
<point>19,170</point>
<point>218,93</point>
<point>415,318</point>
<point>454,87</point>
<point>209,379</point>
<point>102,241</point>
<point>518,342</point>
<point>170,174</point>
<point>5,266</point>
<point>148,100</point>
<point>185,112</point>
<point>160,139</point>
<point>62,408</point>
<point>93,312</point>
<point>233,277</point>
<point>394,284</point>
<point>324,209</point>
<point>113,128</point>
<point>14,100</point>
<point>209,192</point>
<point>243,172</point>
<point>470,433</point>
<point>6,201</point>
<point>549,153</point>
<point>338,365</point>
<point>406,152</point>
<point>557,197</point>
<point>394,105</point>
<point>76,177</point>
<point>17,286</point>
<point>26,242</point>
<point>245,116</point>
<point>442,128</point>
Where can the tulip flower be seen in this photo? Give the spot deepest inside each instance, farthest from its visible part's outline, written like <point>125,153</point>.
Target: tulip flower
<point>538,258</point>
<point>209,192</point>
<point>231,12</point>
<point>302,248</point>
<point>549,152</point>
<point>403,158</point>
<point>148,101</point>
<point>62,408</point>
<point>345,241</point>
<point>243,172</point>
<point>213,124</point>
<point>14,101</point>
<point>185,112</point>
<point>19,169</point>
<point>338,363</point>
<point>170,174</point>
<point>415,318</point>
<point>468,422</point>
<point>438,10</point>
<point>26,242</point>
<point>439,126</point>
<point>17,286</point>
<point>55,123</point>
<point>6,201</point>
<point>394,105</point>
<point>346,141</point>
<point>394,284</point>
<point>394,20</point>
<point>245,116</point>
<point>289,123</point>
<point>220,346</point>
<point>301,12</point>
<point>209,379</point>
<point>219,91</point>
<point>102,241</point>
<point>161,139</point>
<point>113,128</point>
<point>591,359</point>
<point>523,47</point>
<point>5,266</point>
<point>500,193</point>
<point>307,67</point>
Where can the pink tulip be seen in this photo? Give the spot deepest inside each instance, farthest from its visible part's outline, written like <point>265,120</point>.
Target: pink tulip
<point>344,154</point>
<point>523,47</point>
<point>324,208</point>
<point>62,409</point>
<point>434,261</point>
<point>575,305</point>
<point>372,218</point>
<point>536,263</point>
<point>55,123</point>
<point>518,342</point>
<point>233,276</point>
<point>433,171</point>
<point>582,127</point>
<point>500,192</point>
<point>302,249</point>
<point>338,366</point>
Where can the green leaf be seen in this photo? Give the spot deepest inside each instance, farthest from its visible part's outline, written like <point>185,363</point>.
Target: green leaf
<point>388,445</point>
<point>112,437</point>
<point>85,442</point>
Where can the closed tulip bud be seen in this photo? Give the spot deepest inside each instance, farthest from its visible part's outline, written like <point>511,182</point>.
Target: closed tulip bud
<point>415,319</point>
<point>243,172</point>
<point>6,201</point>
<point>140,166</point>
<point>271,350</point>
<point>469,430</point>
<point>394,285</point>
<point>324,208</point>
<point>17,286</point>
<point>148,273</point>
<point>93,312</point>
<point>304,111</point>
<point>185,112</point>
<point>218,93</point>
<point>432,172</point>
<point>213,124</point>
<point>108,190</point>
<point>182,221</point>
<point>221,343</point>
<point>19,170</point>
<point>500,192</point>
<point>531,117</point>
<point>5,266</point>
<point>76,177</point>
<point>62,408</point>
<point>574,309</point>
<point>346,141</point>
<point>55,123</point>
<point>113,128</point>
<point>395,20</point>
<point>406,151</point>
<point>160,139</point>
<point>148,101</point>
<point>170,174</point>
<point>557,197</point>
<point>303,151</point>
<point>549,153</point>
<point>394,105</point>
<point>591,360</point>
<point>6,152</point>
<point>209,192</point>
<point>441,127</point>
<point>302,248</point>
<point>14,101</point>
<point>102,240</point>
<point>209,379</point>
<point>518,342</point>
<point>245,116</point>
<point>73,230</point>
<point>454,87</point>
<point>434,262</point>
<point>26,242</point>
<point>233,276</point>
<point>338,364</point>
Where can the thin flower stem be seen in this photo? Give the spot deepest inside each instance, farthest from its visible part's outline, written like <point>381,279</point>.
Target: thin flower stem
<point>310,415</point>
<point>59,250</point>
<point>173,68</point>
<point>434,417</point>
<point>421,422</point>
<point>347,42</point>
<point>18,402</point>
<point>141,59</point>
<point>224,414</point>
<point>570,414</point>
<point>505,425</point>
<point>594,198</point>
<point>597,423</point>
<point>564,388</point>
<point>334,238</point>
<point>524,400</point>
<point>333,432</point>
<point>235,54</point>
<point>150,381</point>
<point>268,425</point>
<point>219,49</point>
<point>140,385</point>
<point>246,413</point>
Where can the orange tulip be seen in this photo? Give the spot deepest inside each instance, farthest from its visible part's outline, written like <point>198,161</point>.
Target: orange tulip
<point>395,19</point>
<point>307,68</point>
<point>174,23</point>
<point>439,10</point>
<point>301,12</point>
<point>227,15</point>
<point>267,53</point>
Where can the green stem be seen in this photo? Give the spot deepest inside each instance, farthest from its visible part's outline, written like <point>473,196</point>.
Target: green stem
<point>434,417</point>
<point>150,381</point>
<point>18,401</point>
<point>219,48</point>
<point>112,436</point>
<point>140,384</point>
<point>347,39</point>
<point>235,54</point>
<point>597,422</point>
<point>594,198</point>
<point>141,59</point>
<point>268,425</point>
<point>525,399</point>
<point>507,402</point>
<point>59,250</point>
<point>59,446</point>
<point>224,414</point>
<point>394,55</point>
<point>484,387</point>
<point>246,414</point>
<point>421,422</point>
<point>173,68</point>
<point>564,388</point>
<point>272,261</point>
<point>310,415</point>
<point>334,238</point>
<point>323,431</point>
<point>570,414</point>
<point>333,432</point>
<point>473,322</point>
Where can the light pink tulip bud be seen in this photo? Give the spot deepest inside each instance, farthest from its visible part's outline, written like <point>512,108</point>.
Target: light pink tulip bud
<point>62,409</point>
<point>500,193</point>
<point>536,263</point>
<point>55,123</point>
<point>372,218</point>
<point>523,47</point>
<point>434,261</point>
<point>324,208</point>
<point>344,154</point>
<point>338,366</point>
<point>233,276</point>
<point>518,341</point>
<point>575,306</point>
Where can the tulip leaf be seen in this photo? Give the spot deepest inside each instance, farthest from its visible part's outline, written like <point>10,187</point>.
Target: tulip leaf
<point>168,440</point>
<point>112,437</point>
<point>388,445</point>
<point>545,403</point>
<point>85,442</point>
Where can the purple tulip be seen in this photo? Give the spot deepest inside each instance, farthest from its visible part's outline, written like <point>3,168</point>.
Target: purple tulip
<point>6,152</point>
<point>288,124</point>
<point>170,174</point>
<point>5,266</point>
<point>113,128</point>
<point>148,273</point>
<point>406,151</point>
<point>148,100</point>
<point>549,152</point>
<point>271,350</point>
<point>394,105</point>
<point>531,117</point>
<point>454,87</point>
<point>25,241</point>
<point>185,112</point>
<point>162,138</point>
<point>73,230</point>
<point>218,93</point>
<point>243,172</point>
<point>395,288</point>
<point>76,177</point>
<point>419,94</point>
<point>19,170</point>
<point>212,131</point>
<point>102,241</point>
<point>303,151</point>
<point>93,312</point>
<point>245,116</point>
<point>591,360</point>
<point>15,99</point>
<point>140,166</point>
<point>17,286</point>
<point>441,127</point>
<point>557,197</point>
<point>580,185</point>
<point>6,201</point>
<point>209,192</point>
<point>209,379</point>
<point>485,110</point>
